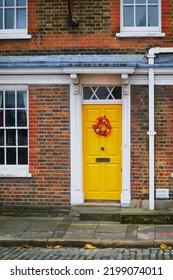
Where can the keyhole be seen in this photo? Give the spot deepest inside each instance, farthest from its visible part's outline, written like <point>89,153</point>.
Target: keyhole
<point>102,148</point>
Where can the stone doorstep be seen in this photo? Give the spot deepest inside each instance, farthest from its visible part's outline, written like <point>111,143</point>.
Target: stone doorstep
<point>153,218</point>
<point>157,217</point>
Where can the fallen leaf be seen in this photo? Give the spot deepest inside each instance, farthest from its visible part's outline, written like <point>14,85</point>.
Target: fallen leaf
<point>169,248</point>
<point>53,247</point>
<point>57,247</point>
<point>89,246</point>
<point>49,247</point>
<point>26,246</point>
<point>163,246</point>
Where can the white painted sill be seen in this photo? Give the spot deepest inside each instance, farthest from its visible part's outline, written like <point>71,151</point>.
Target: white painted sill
<point>15,175</point>
<point>139,34</point>
<point>15,36</point>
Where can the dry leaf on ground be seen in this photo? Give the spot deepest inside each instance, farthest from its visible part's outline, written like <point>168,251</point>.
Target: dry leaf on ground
<point>89,246</point>
<point>163,246</point>
<point>53,246</point>
<point>26,246</point>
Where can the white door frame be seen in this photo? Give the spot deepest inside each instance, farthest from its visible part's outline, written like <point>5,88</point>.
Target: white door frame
<point>77,196</point>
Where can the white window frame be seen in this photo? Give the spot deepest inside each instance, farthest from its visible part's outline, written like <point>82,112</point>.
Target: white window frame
<point>16,33</point>
<point>136,31</point>
<point>16,170</point>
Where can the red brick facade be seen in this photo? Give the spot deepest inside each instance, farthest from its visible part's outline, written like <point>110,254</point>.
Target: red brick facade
<point>99,23</point>
<point>163,140</point>
<point>49,152</point>
<point>49,105</point>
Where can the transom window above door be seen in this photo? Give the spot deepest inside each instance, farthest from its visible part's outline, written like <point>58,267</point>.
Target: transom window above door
<point>102,94</point>
<point>141,16</point>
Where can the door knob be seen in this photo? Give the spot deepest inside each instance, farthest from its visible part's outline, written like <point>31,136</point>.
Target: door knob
<point>102,148</point>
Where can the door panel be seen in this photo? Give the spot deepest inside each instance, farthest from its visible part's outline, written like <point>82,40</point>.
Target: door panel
<point>102,154</point>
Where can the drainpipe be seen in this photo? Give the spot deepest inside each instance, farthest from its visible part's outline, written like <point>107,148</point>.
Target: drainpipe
<point>151,55</point>
<point>151,133</point>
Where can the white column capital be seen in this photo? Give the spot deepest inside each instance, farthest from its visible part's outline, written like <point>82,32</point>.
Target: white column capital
<point>74,78</point>
<point>76,84</point>
<point>125,79</point>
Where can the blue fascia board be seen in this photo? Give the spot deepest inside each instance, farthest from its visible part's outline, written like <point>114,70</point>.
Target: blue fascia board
<point>56,64</point>
<point>63,64</point>
<point>65,61</point>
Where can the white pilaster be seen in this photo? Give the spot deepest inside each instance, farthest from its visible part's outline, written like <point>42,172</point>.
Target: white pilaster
<point>76,141</point>
<point>126,119</point>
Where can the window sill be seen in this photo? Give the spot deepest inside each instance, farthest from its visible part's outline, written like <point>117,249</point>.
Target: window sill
<point>139,34</point>
<point>15,175</point>
<point>15,36</point>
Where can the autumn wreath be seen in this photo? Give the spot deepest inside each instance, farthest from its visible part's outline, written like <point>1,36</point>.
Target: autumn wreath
<point>102,126</point>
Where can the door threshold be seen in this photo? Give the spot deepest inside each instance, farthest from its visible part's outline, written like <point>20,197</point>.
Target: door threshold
<point>106,203</point>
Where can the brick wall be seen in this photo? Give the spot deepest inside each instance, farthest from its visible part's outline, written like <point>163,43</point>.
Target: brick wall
<point>164,136</point>
<point>49,152</point>
<point>99,22</point>
<point>140,141</point>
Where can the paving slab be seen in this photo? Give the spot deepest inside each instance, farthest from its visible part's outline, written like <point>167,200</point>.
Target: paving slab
<point>146,232</point>
<point>162,232</point>
<point>80,233</point>
<point>132,231</point>
<point>42,226</point>
<point>35,234</point>
<point>112,227</point>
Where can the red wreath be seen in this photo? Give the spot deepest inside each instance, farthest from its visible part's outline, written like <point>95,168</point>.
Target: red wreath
<point>102,126</point>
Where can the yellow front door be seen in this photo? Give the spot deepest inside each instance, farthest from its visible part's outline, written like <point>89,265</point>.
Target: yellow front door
<point>102,159</point>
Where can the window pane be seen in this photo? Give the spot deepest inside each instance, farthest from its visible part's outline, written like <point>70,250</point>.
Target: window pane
<point>9,3</point>
<point>9,18</point>
<point>1,3</point>
<point>1,99</point>
<point>140,1</point>
<point>141,16</point>
<point>9,99</point>
<point>153,16</point>
<point>87,93</point>
<point>1,22</point>
<point>1,118</point>
<point>153,1</point>
<point>1,137</point>
<point>21,118</point>
<point>21,3</point>
<point>11,155</point>
<point>21,99</point>
<point>117,93</point>
<point>128,16</point>
<point>21,18</point>
<point>10,118</point>
<point>102,93</point>
<point>11,137</point>
<point>22,137</point>
<point>22,156</point>
<point>1,156</point>
<point>128,1</point>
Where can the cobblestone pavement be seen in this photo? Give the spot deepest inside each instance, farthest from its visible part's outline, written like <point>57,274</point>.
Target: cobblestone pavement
<point>20,253</point>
